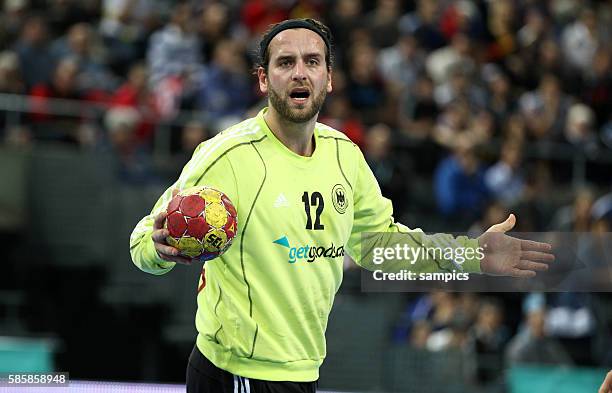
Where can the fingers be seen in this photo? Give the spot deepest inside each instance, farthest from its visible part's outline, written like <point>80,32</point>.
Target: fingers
<point>163,249</point>
<point>532,262</point>
<point>166,252</point>
<point>160,235</point>
<point>531,265</point>
<point>171,254</point>
<point>537,256</point>
<point>178,259</point>
<point>522,273</point>
<point>504,226</point>
<point>158,223</point>
<point>531,245</point>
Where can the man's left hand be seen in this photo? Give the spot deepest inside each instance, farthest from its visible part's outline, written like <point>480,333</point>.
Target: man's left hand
<point>509,256</point>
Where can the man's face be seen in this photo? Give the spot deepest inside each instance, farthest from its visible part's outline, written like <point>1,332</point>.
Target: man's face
<point>297,80</point>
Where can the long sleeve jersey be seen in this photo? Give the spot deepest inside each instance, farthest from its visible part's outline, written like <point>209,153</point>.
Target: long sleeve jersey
<point>263,311</point>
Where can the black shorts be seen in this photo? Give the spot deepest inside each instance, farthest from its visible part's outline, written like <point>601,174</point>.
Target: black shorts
<point>205,377</point>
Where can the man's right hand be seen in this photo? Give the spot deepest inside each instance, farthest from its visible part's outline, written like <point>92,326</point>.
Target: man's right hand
<point>159,235</point>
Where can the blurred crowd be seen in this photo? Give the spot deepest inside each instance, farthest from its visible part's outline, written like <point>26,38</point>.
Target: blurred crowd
<point>494,333</point>
<point>491,102</point>
<point>466,110</point>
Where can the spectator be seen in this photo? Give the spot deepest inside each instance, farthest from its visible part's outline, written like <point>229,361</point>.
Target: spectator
<point>382,23</point>
<point>529,66</point>
<point>11,82</point>
<point>460,189</point>
<point>12,16</point>
<point>485,346</point>
<point>365,89</point>
<point>418,110</point>
<point>532,345</point>
<point>457,121</point>
<point>214,26</point>
<point>502,24</point>
<point>447,330</point>
<point>390,169</point>
<point>55,119</point>
<point>529,38</point>
<point>174,50</point>
<point>514,128</point>
<point>580,129</point>
<point>461,17</point>
<point>505,178</point>
<point>536,206</point>
<point>455,56</point>
<point>133,165</point>
<point>344,18</point>
<point>124,26</point>
<point>580,40</point>
<point>225,91</point>
<point>340,116</point>
<point>135,93</point>
<point>33,50</point>
<point>500,100</point>
<point>435,309</point>
<point>545,109</point>
<point>459,86</point>
<point>80,44</point>
<point>423,24</point>
<point>597,92</point>
<point>401,64</point>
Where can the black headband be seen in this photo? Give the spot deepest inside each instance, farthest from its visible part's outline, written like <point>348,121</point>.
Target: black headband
<point>291,24</point>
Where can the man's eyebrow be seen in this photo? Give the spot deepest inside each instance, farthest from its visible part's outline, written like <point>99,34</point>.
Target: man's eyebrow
<point>307,56</point>
<point>285,57</point>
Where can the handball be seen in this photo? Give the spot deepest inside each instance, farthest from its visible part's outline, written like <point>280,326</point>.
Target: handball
<point>202,223</point>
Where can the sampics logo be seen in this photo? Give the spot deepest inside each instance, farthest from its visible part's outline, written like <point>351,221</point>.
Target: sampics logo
<point>309,253</point>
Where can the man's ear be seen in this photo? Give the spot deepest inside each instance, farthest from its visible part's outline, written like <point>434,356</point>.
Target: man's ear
<point>329,81</point>
<point>262,77</point>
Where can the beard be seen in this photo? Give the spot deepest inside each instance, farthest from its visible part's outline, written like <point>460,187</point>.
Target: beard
<point>292,114</point>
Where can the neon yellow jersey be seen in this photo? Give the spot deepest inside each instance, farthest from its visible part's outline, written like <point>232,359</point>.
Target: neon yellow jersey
<point>263,311</point>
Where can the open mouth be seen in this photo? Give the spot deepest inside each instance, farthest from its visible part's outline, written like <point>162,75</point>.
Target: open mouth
<point>299,94</point>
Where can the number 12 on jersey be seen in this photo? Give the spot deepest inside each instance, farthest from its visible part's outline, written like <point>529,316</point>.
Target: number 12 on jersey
<point>316,199</point>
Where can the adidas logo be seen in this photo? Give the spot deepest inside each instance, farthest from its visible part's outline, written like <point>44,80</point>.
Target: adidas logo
<point>281,201</point>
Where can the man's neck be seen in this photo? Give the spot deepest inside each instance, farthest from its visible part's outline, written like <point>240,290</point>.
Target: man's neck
<point>297,137</point>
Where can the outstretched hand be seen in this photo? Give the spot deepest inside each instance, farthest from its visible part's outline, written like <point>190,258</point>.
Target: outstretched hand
<point>159,235</point>
<point>509,256</point>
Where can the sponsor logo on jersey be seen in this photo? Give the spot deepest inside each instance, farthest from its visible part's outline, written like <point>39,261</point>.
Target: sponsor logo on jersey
<point>281,201</point>
<point>309,253</point>
<point>339,198</point>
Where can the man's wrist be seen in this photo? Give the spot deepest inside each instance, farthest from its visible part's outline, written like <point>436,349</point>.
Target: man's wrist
<point>473,264</point>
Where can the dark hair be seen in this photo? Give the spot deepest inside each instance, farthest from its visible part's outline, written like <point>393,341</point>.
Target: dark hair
<point>306,23</point>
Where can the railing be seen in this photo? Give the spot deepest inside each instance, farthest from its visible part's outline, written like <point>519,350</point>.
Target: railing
<point>11,105</point>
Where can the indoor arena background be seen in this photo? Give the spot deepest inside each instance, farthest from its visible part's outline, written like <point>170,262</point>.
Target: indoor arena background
<point>465,111</point>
